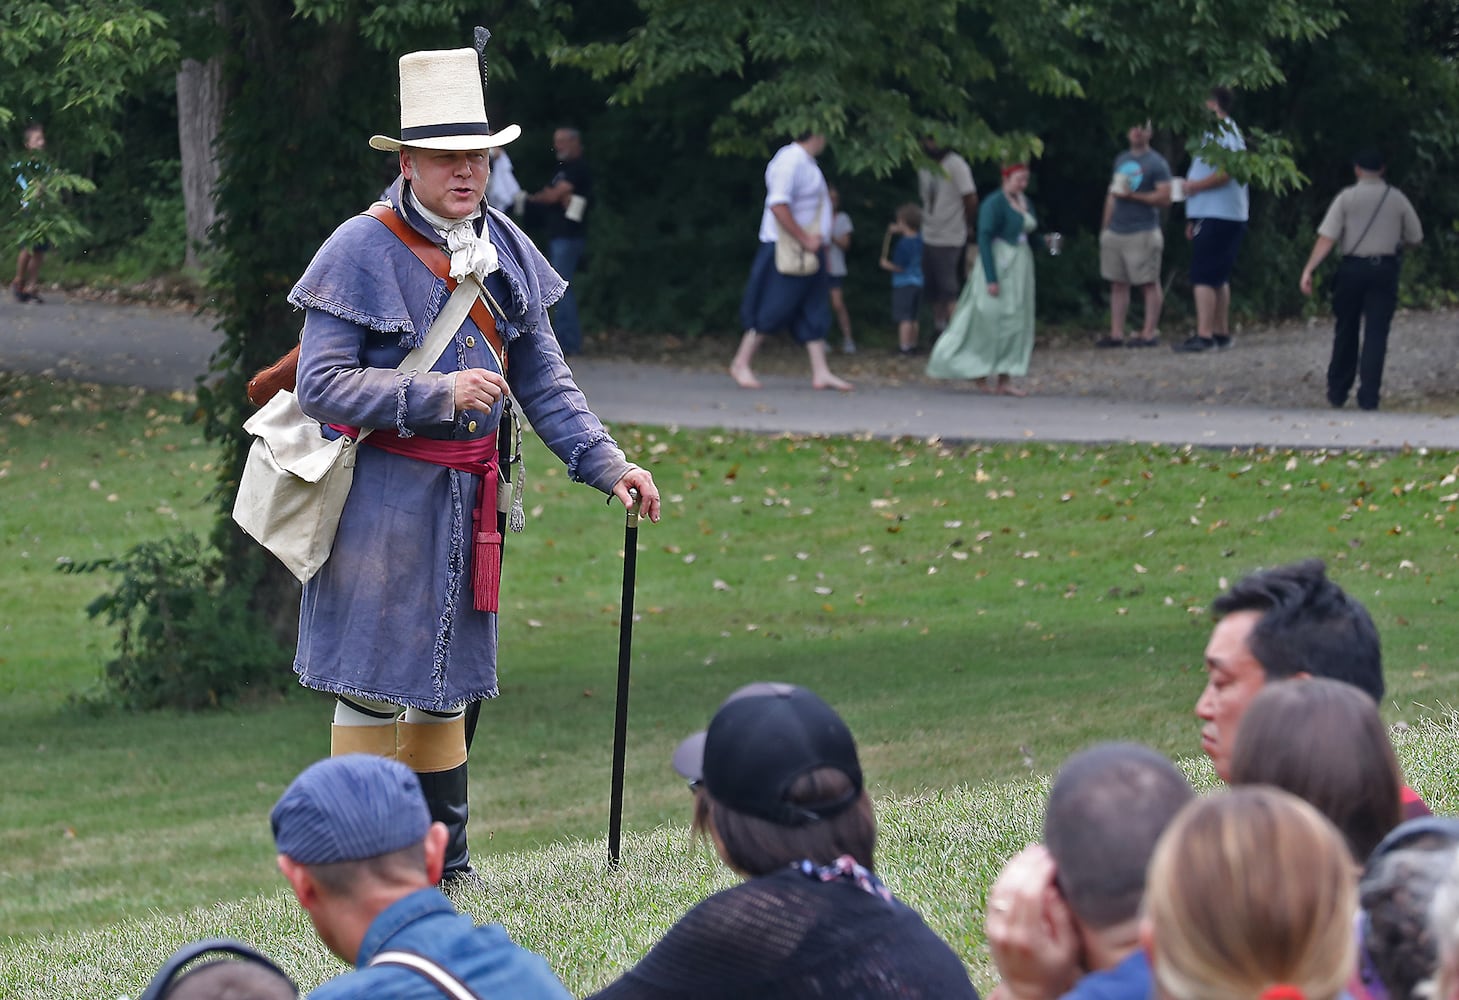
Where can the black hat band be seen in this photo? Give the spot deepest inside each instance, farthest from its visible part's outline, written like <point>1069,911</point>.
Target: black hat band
<point>437,131</point>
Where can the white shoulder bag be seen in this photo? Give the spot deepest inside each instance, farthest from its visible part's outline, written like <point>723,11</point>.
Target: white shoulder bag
<point>295,481</point>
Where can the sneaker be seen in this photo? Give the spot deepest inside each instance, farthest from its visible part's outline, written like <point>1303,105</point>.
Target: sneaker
<point>1223,341</point>
<point>20,296</point>
<point>1194,344</point>
<point>848,346</point>
<point>1108,341</point>
<point>909,352</point>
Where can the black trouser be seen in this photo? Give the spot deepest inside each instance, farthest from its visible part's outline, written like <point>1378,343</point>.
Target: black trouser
<point>1365,294</point>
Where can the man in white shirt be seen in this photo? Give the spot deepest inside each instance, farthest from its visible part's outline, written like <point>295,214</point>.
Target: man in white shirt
<point>949,211</point>
<point>797,202</point>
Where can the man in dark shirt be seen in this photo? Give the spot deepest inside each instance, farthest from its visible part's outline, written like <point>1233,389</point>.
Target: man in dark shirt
<point>567,199</point>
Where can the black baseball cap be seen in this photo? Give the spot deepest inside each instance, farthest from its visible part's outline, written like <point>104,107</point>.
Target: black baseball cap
<point>762,739</point>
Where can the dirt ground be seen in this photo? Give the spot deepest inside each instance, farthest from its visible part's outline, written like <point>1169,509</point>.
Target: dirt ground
<point>1280,366</point>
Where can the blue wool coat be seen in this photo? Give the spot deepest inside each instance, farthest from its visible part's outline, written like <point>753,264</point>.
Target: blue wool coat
<point>390,615</point>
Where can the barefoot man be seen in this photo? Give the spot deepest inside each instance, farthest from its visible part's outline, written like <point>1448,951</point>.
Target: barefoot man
<point>798,203</point>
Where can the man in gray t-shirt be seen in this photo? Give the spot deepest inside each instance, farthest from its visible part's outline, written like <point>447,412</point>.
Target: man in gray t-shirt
<point>1130,241</point>
<point>949,216</point>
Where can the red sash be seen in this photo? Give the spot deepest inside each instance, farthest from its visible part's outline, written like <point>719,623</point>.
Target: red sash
<point>478,456</point>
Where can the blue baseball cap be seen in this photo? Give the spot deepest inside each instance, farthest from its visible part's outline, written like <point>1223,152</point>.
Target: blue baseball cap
<point>350,808</point>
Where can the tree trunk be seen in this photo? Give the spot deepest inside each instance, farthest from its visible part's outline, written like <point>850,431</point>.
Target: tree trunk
<point>199,117</point>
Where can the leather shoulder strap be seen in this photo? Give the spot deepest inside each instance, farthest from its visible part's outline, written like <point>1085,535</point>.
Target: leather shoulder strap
<point>444,981</point>
<point>437,260</point>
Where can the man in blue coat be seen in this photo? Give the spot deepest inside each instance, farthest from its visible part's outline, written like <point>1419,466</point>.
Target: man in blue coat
<point>400,624</point>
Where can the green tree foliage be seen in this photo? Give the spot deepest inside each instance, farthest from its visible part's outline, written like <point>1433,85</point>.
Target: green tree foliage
<point>875,75</point>
<point>181,642</point>
<point>73,62</point>
<point>70,64</point>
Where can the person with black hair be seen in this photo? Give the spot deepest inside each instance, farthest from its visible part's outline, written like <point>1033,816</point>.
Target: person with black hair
<point>778,790</point>
<point>1063,916</point>
<point>1287,622</point>
<point>1369,224</point>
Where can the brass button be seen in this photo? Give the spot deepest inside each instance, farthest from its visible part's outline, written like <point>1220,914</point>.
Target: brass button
<point>470,341</point>
<point>471,426</point>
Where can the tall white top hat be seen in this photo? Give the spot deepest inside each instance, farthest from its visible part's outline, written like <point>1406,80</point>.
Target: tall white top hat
<point>442,104</point>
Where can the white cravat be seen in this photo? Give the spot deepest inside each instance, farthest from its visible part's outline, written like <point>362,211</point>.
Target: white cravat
<point>470,253</point>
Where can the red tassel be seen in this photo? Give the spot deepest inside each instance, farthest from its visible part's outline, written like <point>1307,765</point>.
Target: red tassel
<point>486,570</point>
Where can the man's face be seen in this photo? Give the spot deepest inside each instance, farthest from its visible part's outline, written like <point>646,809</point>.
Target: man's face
<point>449,183</point>
<point>1233,678</point>
<point>35,139</point>
<point>816,144</point>
<point>1139,135</point>
<point>565,145</point>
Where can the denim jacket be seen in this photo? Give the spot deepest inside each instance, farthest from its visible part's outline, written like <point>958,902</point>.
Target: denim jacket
<point>483,957</point>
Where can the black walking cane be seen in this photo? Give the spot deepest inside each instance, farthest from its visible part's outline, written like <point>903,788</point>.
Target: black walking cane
<point>625,649</point>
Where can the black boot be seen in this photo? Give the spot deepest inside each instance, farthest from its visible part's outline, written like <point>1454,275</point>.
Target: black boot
<point>445,793</point>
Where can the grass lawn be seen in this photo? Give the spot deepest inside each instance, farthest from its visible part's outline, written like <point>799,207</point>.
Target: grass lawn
<point>976,613</point>
<point>939,851</point>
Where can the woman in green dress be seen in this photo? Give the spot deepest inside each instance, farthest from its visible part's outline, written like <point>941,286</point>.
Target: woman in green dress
<point>990,335</point>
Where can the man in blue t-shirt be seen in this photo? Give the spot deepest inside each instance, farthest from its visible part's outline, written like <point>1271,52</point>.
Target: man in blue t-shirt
<point>1131,244</point>
<point>1216,211</point>
<point>1063,917</point>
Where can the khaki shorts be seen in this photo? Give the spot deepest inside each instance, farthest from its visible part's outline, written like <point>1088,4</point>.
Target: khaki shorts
<point>1131,258</point>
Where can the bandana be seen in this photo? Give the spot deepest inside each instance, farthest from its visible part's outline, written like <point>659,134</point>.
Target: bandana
<point>845,869</point>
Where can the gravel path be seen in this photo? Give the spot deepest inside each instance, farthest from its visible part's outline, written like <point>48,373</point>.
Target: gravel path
<point>1271,368</point>
<point>1279,367</point>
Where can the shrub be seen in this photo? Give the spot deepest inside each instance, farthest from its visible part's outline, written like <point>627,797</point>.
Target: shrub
<point>186,638</point>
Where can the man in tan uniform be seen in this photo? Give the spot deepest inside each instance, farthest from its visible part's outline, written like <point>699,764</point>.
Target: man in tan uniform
<point>1369,223</point>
